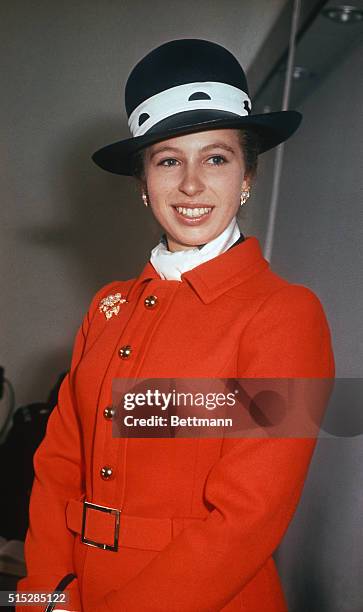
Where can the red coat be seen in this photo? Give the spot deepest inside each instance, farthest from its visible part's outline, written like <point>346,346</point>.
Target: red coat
<point>200,518</point>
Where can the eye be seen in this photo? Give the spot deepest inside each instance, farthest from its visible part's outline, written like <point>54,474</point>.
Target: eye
<point>217,160</point>
<point>168,163</point>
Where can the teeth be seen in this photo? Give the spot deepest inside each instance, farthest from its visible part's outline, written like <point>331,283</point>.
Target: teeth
<point>193,212</point>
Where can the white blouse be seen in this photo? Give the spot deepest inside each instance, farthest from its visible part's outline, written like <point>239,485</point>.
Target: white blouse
<point>170,265</point>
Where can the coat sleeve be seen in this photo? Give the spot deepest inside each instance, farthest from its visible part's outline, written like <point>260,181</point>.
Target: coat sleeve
<point>58,476</point>
<point>253,489</point>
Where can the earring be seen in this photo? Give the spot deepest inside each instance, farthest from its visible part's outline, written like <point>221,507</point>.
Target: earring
<point>245,194</point>
<point>145,200</point>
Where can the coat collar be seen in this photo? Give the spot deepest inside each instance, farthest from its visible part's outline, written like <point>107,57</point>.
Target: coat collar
<point>216,276</point>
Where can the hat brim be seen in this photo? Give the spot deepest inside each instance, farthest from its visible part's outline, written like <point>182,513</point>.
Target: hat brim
<point>272,129</point>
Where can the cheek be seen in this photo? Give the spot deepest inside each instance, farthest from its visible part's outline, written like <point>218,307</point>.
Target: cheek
<point>229,185</point>
<point>159,186</point>
<point>229,177</point>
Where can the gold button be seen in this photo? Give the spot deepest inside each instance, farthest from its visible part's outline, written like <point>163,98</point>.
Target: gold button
<point>125,351</point>
<point>150,301</point>
<point>109,413</point>
<point>106,472</point>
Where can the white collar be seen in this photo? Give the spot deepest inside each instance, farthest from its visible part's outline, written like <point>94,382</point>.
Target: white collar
<point>170,265</point>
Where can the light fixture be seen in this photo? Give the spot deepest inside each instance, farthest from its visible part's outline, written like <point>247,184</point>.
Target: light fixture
<point>299,73</point>
<point>343,14</point>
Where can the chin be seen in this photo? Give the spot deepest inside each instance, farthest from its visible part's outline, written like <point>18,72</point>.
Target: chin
<point>192,236</point>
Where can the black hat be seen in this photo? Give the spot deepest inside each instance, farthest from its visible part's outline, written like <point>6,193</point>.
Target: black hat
<point>186,86</point>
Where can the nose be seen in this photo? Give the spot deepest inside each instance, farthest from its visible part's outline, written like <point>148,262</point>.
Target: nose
<point>191,182</point>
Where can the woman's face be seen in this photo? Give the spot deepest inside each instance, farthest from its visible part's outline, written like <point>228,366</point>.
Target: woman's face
<point>194,184</point>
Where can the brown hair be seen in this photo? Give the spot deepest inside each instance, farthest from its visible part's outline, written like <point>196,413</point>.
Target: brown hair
<point>249,142</point>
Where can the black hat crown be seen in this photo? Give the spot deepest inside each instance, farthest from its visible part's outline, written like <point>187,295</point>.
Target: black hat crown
<point>178,62</point>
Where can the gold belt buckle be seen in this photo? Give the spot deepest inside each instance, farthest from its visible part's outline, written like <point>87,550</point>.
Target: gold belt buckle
<point>115,512</point>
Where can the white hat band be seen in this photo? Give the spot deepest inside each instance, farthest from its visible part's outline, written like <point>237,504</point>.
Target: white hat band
<point>191,96</point>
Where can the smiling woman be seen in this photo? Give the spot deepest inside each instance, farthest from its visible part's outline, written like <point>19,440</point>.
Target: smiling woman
<point>165,522</point>
<point>193,183</point>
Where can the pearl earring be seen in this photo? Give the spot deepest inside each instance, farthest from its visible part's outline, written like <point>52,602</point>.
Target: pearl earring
<point>245,194</point>
<point>145,200</point>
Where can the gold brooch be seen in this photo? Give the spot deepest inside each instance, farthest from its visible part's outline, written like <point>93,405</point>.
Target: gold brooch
<point>110,305</point>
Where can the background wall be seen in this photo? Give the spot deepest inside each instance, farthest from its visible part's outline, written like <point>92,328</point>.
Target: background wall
<point>318,243</point>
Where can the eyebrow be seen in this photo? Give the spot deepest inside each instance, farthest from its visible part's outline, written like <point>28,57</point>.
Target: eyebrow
<point>214,145</point>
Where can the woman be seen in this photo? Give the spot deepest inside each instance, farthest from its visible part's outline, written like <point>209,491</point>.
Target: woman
<point>179,524</point>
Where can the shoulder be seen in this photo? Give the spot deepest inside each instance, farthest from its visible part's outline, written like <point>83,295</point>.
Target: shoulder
<point>273,295</point>
<point>288,335</point>
<point>293,299</point>
<point>294,308</point>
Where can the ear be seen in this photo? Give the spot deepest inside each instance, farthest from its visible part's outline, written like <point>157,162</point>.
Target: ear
<point>246,183</point>
<point>143,186</point>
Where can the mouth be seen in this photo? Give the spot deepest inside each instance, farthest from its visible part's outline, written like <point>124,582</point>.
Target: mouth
<point>193,212</point>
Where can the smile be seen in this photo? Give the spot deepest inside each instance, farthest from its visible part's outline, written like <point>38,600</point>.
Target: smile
<point>193,212</point>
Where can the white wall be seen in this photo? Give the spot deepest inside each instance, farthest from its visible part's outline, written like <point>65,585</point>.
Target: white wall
<point>318,243</point>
